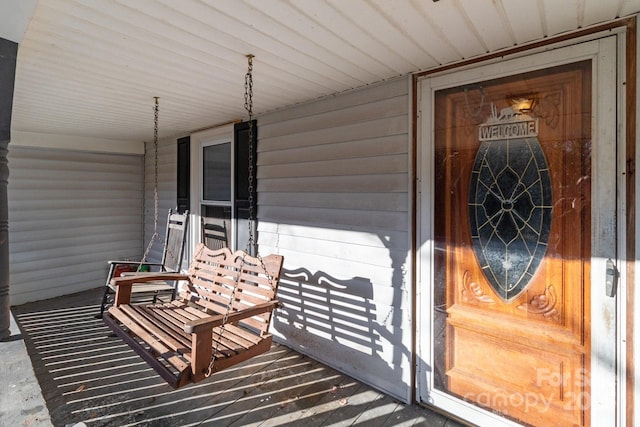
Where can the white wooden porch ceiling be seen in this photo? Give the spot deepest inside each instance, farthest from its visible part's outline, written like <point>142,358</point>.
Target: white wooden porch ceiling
<point>92,68</point>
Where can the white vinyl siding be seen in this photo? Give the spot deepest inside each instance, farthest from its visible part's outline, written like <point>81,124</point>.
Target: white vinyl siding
<point>333,198</point>
<point>167,187</point>
<point>70,212</point>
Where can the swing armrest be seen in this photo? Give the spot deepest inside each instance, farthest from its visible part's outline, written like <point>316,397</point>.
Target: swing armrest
<point>113,265</point>
<point>129,262</point>
<point>208,323</point>
<point>146,277</point>
<point>123,284</point>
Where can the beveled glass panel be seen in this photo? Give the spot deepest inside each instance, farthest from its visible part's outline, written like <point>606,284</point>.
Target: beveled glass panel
<point>510,212</point>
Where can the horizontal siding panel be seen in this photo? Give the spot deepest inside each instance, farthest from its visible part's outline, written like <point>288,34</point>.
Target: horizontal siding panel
<point>108,178</point>
<point>35,282</point>
<point>378,92</point>
<point>358,329</point>
<point>391,305</point>
<point>70,212</point>
<point>375,110</point>
<point>371,255</point>
<point>395,202</point>
<point>336,184</point>
<point>46,288</point>
<point>41,158</point>
<point>353,312</point>
<point>376,238</point>
<point>103,229</point>
<point>30,198</point>
<point>78,239</point>
<point>388,126</point>
<point>97,185</point>
<point>70,221</point>
<point>348,327</point>
<point>97,210</point>
<point>364,166</point>
<point>299,263</point>
<point>24,245</point>
<point>341,218</point>
<point>74,162</point>
<point>373,147</point>
<point>66,257</point>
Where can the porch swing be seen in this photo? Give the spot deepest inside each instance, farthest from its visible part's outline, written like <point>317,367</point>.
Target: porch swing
<point>220,318</point>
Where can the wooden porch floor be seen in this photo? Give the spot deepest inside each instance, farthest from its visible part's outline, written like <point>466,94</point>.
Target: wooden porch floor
<point>88,376</point>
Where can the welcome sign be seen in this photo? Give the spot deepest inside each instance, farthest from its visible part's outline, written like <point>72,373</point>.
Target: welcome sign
<point>519,129</point>
<point>508,124</point>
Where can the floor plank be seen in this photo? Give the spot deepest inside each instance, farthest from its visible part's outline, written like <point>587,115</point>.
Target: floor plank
<point>350,407</point>
<point>301,405</point>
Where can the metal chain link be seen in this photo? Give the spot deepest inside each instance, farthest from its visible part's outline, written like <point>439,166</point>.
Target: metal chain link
<point>155,235</point>
<point>221,329</point>
<point>248,105</point>
<point>252,244</point>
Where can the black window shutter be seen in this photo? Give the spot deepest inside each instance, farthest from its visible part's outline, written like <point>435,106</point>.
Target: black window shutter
<point>8,55</point>
<point>184,174</point>
<point>241,134</point>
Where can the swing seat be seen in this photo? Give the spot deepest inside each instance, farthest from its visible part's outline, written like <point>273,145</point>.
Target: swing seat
<point>188,339</point>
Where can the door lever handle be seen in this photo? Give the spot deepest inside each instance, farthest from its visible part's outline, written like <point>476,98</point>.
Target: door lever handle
<point>611,278</point>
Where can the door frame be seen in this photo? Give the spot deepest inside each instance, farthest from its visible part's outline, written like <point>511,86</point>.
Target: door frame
<point>608,106</point>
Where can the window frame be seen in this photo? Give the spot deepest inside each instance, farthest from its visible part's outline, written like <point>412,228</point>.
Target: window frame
<point>200,140</point>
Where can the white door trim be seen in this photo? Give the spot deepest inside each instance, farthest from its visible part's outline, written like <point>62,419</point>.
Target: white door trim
<point>605,311</point>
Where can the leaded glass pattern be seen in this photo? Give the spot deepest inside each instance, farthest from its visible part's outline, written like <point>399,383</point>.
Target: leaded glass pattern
<point>510,209</point>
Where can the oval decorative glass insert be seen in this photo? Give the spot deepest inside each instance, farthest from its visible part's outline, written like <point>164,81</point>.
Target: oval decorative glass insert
<point>510,208</point>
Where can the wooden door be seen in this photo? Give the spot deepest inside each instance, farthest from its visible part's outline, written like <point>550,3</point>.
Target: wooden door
<point>512,236</point>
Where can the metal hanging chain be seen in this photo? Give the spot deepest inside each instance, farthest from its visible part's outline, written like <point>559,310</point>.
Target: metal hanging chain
<point>221,328</point>
<point>248,105</point>
<point>155,235</point>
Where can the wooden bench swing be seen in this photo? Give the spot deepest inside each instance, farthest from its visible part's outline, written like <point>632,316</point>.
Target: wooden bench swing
<point>220,317</point>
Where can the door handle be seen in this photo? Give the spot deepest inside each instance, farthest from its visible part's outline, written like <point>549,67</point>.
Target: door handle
<point>611,278</point>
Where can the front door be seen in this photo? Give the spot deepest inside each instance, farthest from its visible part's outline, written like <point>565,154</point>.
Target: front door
<point>516,238</point>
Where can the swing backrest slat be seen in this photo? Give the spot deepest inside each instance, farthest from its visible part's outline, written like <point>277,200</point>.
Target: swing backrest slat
<point>174,240</point>
<point>215,273</point>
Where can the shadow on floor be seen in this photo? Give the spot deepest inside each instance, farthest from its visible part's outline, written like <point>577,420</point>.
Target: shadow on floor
<point>89,376</point>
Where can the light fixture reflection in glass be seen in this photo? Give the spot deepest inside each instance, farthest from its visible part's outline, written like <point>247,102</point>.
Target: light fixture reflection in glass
<point>523,104</point>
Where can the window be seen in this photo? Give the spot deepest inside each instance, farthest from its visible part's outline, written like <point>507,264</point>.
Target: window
<point>219,161</point>
<point>216,203</point>
<point>216,173</point>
